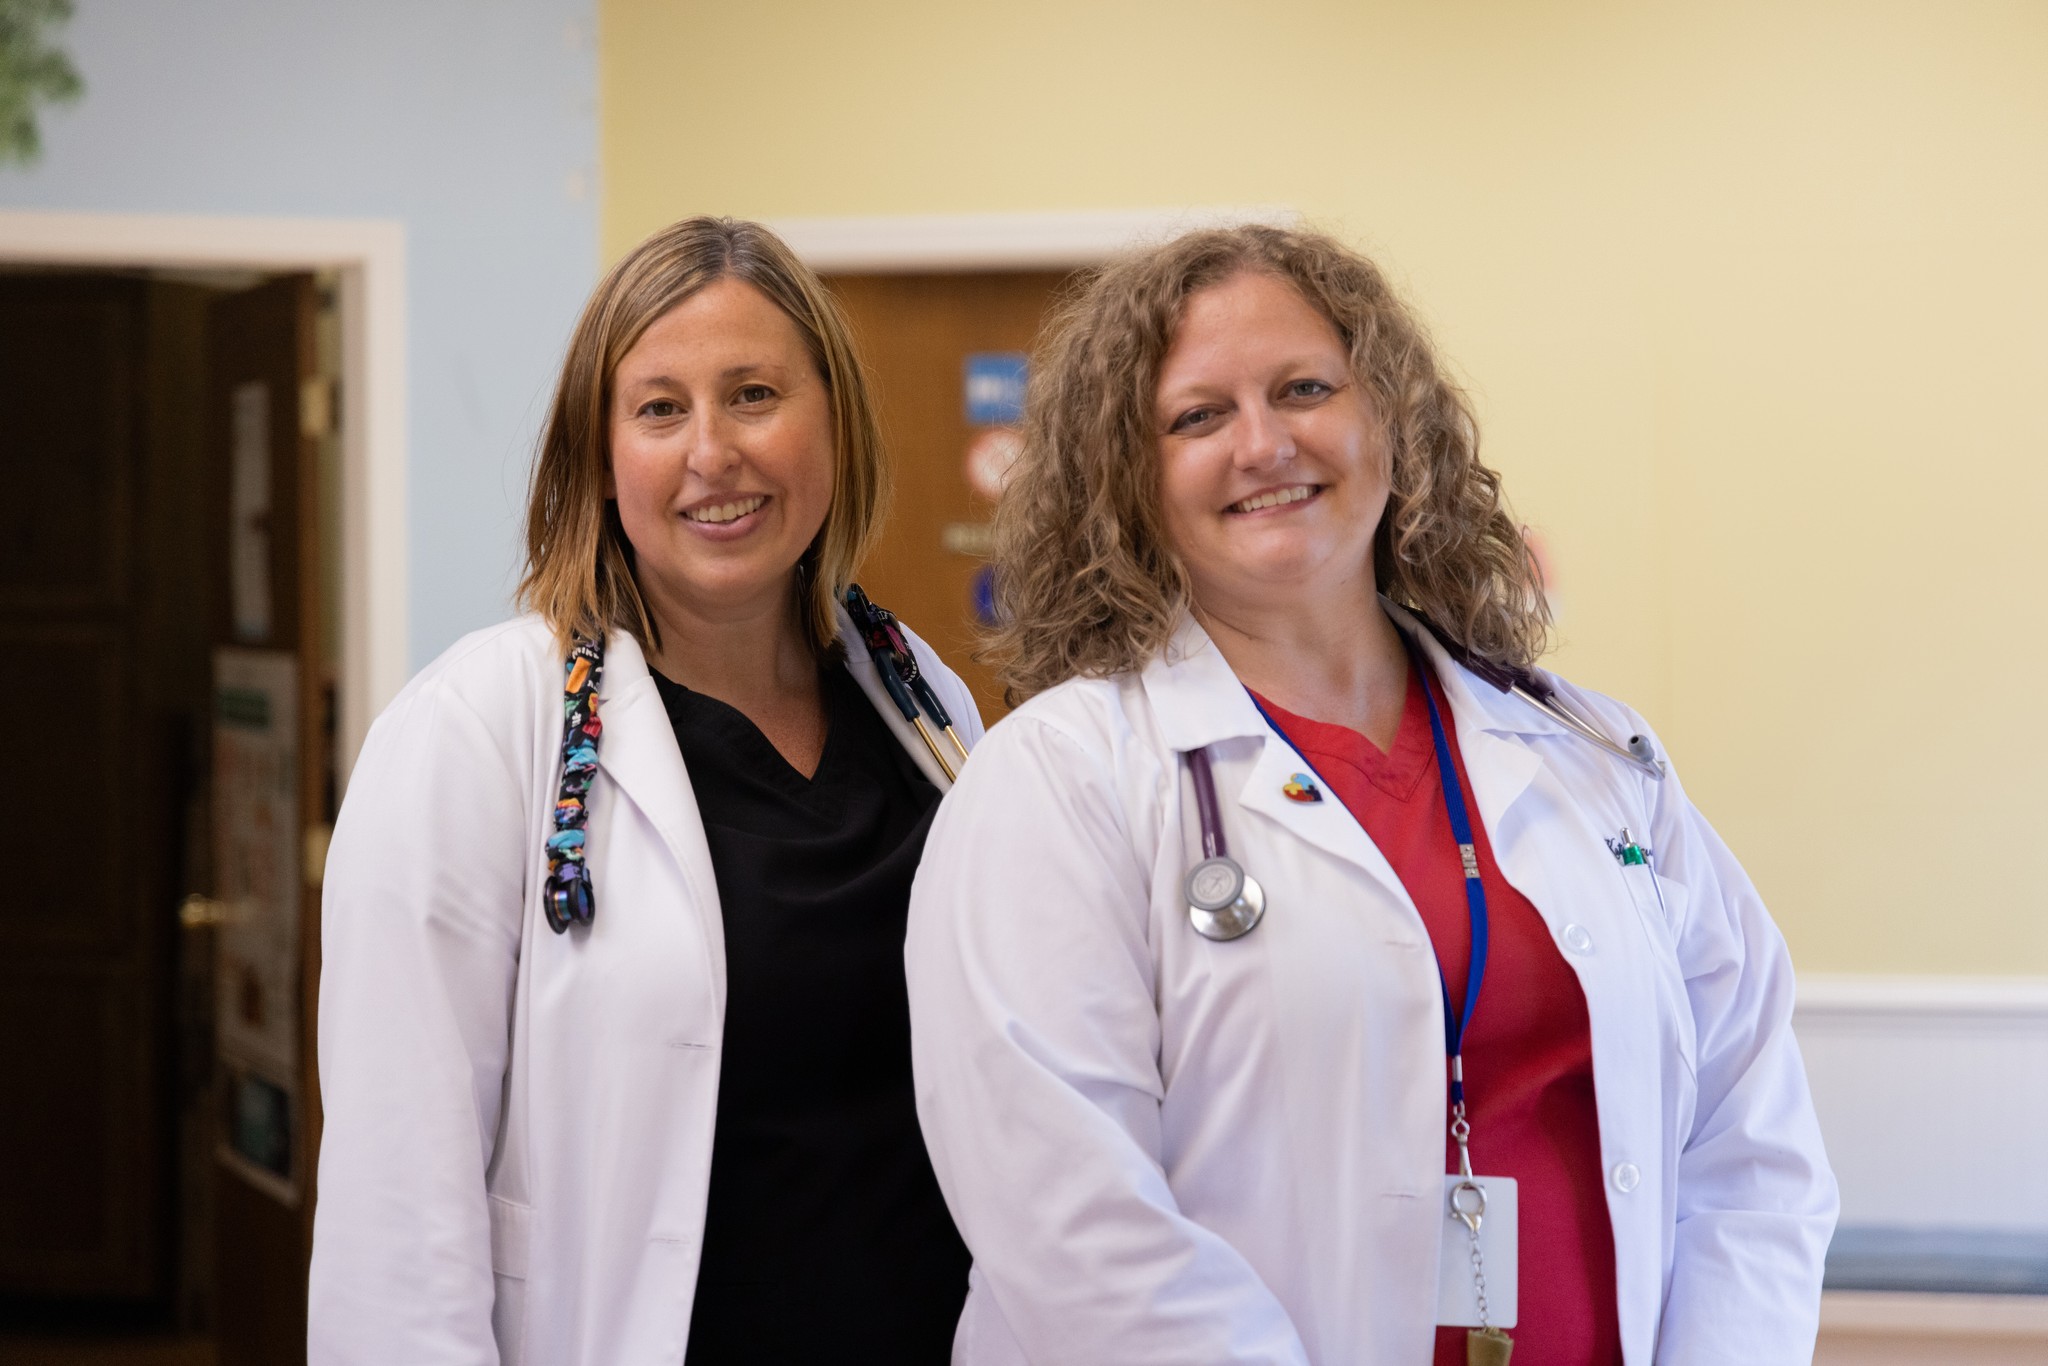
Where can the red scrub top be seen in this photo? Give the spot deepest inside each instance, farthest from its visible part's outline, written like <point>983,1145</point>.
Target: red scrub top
<point>1528,1050</point>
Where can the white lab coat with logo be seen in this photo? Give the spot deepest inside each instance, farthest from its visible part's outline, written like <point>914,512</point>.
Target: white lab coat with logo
<point>519,1123</point>
<point>1167,1150</point>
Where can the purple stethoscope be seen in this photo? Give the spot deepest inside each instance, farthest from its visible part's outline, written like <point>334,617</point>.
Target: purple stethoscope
<point>1224,901</point>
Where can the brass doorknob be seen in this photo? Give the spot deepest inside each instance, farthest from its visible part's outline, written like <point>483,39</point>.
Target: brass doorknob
<point>198,909</point>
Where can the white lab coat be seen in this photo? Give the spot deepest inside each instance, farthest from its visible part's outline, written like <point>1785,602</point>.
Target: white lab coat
<point>519,1123</point>
<point>1167,1150</point>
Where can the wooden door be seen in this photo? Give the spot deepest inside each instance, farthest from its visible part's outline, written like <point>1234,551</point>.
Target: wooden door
<point>85,930</point>
<point>272,770</point>
<point>919,335</point>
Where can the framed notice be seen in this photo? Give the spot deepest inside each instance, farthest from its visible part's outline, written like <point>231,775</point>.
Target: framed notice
<point>256,860</point>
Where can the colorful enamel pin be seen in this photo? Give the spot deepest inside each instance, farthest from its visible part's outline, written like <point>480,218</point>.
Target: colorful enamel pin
<point>1301,788</point>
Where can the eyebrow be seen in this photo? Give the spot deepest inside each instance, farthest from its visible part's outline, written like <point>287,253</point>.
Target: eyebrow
<point>731,372</point>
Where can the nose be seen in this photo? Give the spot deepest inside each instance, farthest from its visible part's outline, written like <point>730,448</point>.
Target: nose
<point>1264,439</point>
<point>710,444</point>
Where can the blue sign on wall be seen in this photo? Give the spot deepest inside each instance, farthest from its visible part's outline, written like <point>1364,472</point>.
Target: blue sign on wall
<point>995,388</point>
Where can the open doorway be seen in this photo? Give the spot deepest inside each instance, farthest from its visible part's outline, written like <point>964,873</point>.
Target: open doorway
<point>169,607</point>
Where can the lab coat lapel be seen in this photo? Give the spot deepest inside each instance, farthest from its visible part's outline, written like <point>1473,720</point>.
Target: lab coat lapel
<point>1494,729</point>
<point>861,665</point>
<point>1488,723</point>
<point>638,752</point>
<point>1200,701</point>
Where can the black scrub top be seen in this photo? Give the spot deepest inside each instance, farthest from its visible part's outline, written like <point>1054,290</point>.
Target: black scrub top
<point>826,1238</point>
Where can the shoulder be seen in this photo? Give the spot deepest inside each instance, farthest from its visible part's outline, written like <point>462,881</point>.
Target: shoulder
<point>495,679</point>
<point>951,689</point>
<point>1103,725</point>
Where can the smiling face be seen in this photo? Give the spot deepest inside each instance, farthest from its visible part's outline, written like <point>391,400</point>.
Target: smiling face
<point>1272,469</point>
<point>721,454</point>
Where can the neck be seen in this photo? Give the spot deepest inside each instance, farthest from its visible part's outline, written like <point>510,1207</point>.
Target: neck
<point>1333,657</point>
<point>751,655</point>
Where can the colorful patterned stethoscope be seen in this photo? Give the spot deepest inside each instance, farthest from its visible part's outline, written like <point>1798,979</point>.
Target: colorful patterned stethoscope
<point>567,896</point>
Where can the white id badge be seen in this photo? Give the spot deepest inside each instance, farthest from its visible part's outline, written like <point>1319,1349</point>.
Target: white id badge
<point>1457,1292</point>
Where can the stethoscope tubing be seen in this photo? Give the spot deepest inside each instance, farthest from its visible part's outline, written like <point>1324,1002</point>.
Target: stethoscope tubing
<point>1206,809</point>
<point>1550,706</point>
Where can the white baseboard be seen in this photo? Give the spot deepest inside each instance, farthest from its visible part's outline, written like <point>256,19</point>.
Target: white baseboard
<point>1933,1096</point>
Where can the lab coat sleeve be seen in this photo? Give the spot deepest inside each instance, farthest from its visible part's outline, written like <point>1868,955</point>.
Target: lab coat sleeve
<point>420,938</point>
<point>1035,1040</point>
<point>1756,1199</point>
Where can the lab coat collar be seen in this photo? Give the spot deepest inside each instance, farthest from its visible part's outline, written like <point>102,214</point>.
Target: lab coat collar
<point>639,739</point>
<point>862,666</point>
<point>638,752</point>
<point>1199,701</point>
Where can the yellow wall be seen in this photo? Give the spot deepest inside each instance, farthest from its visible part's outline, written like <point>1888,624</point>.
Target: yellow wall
<point>1753,299</point>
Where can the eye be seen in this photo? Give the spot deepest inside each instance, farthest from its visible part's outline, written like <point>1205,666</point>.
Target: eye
<point>1192,419</point>
<point>659,408</point>
<point>754,393</point>
<point>1308,388</point>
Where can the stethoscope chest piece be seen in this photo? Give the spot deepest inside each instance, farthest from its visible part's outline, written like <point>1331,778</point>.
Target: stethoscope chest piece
<point>1223,903</point>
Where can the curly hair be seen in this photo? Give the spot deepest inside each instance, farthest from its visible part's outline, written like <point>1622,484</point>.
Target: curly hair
<point>1086,581</point>
<point>579,565</point>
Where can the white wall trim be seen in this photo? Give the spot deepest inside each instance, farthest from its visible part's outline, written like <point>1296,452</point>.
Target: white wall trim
<point>1924,1084</point>
<point>1000,241</point>
<point>369,255</point>
<point>1924,999</point>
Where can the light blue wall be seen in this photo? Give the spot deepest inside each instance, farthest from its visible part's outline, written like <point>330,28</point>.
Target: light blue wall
<point>472,121</point>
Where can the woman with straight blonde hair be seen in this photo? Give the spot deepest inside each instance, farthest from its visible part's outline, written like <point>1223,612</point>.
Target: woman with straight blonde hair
<point>613,1037</point>
<point>1263,962</point>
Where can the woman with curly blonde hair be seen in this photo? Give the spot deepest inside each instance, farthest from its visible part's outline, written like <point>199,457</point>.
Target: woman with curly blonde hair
<point>1263,962</point>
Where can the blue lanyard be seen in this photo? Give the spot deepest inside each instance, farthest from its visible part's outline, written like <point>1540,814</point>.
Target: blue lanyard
<point>1475,890</point>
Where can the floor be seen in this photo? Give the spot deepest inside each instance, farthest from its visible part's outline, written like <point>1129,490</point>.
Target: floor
<point>1872,1329</point>
<point>75,1350</point>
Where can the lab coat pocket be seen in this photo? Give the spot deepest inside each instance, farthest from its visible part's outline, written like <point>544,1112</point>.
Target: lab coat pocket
<point>1661,905</point>
<point>510,1233</point>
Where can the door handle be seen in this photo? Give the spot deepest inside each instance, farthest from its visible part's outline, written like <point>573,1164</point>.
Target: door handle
<point>198,909</point>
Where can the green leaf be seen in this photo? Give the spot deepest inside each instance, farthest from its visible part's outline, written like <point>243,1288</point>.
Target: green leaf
<point>33,74</point>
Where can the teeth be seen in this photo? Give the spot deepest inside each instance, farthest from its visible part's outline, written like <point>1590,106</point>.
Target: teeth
<point>726,512</point>
<point>1275,498</point>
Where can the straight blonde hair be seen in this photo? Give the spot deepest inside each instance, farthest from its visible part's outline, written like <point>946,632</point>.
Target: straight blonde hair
<point>579,564</point>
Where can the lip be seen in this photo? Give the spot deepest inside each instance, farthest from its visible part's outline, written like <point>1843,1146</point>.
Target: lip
<point>1315,491</point>
<point>725,531</point>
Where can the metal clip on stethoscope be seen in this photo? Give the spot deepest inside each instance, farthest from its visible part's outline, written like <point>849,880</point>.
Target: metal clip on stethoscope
<point>568,898</point>
<point>907,686</point>
<point>1225,902</point>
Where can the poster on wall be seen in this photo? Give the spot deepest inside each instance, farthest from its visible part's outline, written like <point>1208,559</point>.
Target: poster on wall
<point>995,382</point>
<point>256,861</point>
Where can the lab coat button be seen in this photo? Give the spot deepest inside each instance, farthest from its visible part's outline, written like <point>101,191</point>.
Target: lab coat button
<point>1578,939</point>
<point>1627,1177</point>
